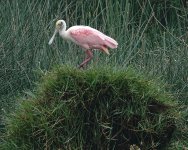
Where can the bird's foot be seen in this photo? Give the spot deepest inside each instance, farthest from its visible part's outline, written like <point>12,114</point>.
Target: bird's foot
<point>82,66</point>
<point>89,57</point>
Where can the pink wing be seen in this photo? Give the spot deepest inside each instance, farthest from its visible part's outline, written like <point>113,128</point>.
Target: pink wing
<point>90,38</point>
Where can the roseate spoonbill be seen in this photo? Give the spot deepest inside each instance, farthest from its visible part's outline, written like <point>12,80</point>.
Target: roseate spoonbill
<point>86,37</point>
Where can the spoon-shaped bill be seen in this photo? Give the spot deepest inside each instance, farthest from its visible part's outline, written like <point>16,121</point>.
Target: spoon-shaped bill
<point>52,38</point>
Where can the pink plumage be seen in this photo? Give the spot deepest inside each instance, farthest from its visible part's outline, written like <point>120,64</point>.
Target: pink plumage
<point>90,38</point>
<point>86,37</point>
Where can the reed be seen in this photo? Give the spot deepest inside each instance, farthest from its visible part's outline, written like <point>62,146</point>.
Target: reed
<point>152,37</point>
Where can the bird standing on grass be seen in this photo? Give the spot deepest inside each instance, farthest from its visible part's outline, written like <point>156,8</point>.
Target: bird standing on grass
<point>86,37</point>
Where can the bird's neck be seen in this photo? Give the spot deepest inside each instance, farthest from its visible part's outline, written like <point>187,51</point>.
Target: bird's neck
<point>63,33</point>
<point>63,30</point>
<point>63,27</point>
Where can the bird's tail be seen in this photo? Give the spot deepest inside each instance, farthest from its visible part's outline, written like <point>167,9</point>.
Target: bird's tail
<point>111,43</point>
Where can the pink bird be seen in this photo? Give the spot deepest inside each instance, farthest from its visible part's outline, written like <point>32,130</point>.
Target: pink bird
<point>86,37</point>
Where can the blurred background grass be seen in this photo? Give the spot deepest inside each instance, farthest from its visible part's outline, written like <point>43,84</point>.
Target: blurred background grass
<point>152,37</point>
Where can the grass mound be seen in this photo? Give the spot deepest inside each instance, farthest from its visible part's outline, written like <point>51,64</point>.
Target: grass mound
<point>92,109</point>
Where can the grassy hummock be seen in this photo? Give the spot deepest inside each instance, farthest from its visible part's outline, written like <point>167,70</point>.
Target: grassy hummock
<point>98,108</point>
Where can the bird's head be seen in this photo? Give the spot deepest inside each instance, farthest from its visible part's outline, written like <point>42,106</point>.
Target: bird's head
<point>60,26</point>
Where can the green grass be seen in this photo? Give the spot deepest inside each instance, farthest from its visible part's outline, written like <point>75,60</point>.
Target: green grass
<point>92,109</point>
<point>152,37</point>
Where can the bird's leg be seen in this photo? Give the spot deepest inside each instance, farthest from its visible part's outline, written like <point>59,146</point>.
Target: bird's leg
<point>88,58</point>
